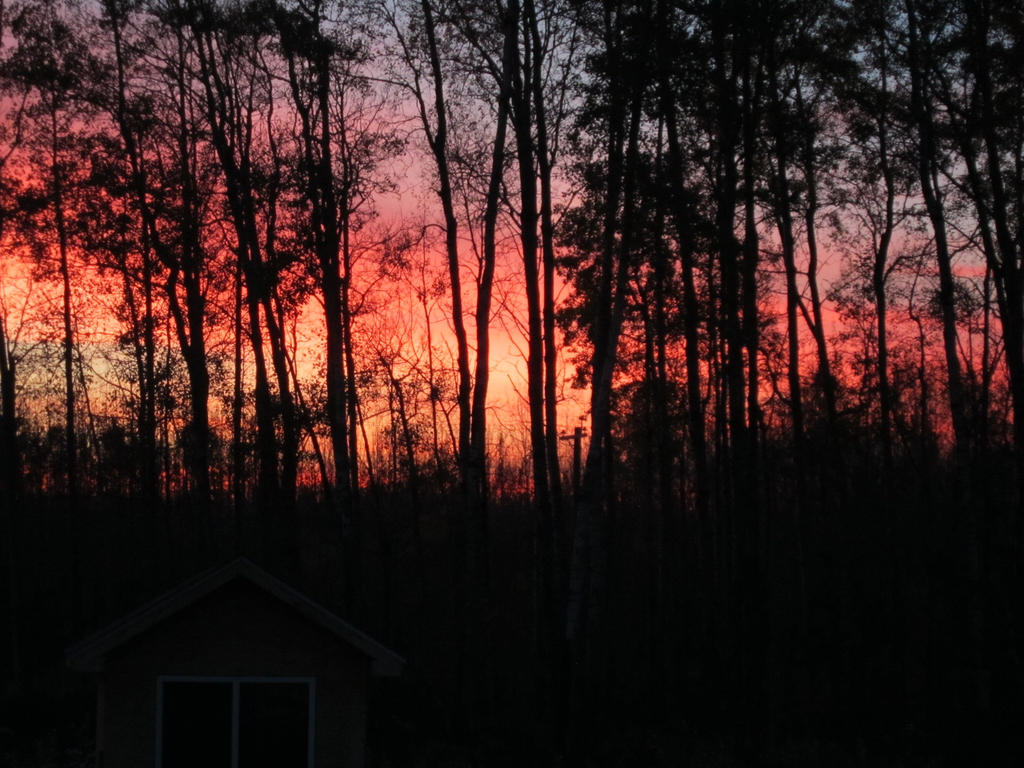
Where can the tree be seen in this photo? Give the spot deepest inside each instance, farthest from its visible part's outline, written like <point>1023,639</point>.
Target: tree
<point>881,180</point>
<point>922,29</point>
<point>619,38</point>
<point>50,61</point>
<point>11,136</point>
<point>236,93</point>
<point>314,55</point>
<point>170,228</point>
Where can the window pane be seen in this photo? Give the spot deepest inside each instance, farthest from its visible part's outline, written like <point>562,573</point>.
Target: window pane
<point>197,725</point>
<point>273,725</point>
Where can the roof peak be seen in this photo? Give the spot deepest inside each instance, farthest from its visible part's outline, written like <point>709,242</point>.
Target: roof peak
<point>88,654</point>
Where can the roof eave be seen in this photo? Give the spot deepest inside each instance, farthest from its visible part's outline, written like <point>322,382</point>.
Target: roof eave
<point>89,654</point>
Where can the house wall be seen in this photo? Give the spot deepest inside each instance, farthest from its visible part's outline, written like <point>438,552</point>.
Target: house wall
<point>236,631</point>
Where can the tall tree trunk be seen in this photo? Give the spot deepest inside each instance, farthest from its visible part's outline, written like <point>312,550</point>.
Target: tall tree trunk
<point>190,320</point>
<point>879,279</point>
<point>1008,266</point>
<point>751,533</point>
<point>145,351</point>
<point>683,218</point>
<point>784,224</point>
<point>10,502</point>
<point>550,531</point>
<point>469,524</point>
<point>310,80</point>
<point>728,121</point>
<point>230,130</point>
<point>438,140</point>
<point>522,116</point>
<point>270,192</point>
<point>732,400</point>
<point>547,230</point>
<point>782,205</point>
<point>71,457</point>
<point>927,168</point>
<point>816,323</point>
<point>751,79</point>
<point>586,576</point>
<point>238,470</point>
<point>67,317</point>
<point>921,63</point>
<point>352,514</point>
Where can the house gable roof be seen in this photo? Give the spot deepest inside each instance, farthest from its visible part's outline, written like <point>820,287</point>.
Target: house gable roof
<point>88,654</point>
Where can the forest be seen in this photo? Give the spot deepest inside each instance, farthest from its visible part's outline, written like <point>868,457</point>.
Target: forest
<point>648,373</point>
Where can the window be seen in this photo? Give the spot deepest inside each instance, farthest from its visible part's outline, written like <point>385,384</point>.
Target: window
<point>235,722</point>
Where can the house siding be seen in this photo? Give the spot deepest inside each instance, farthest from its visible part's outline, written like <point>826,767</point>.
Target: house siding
<point>238,630</point>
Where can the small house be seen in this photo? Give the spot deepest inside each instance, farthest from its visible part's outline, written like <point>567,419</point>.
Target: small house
<point>232,669</point>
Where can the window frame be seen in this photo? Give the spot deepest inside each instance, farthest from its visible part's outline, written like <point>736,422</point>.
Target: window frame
<point>236,682</point>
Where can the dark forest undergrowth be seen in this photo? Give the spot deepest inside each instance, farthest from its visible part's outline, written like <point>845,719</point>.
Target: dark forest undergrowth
<point>869,639</point>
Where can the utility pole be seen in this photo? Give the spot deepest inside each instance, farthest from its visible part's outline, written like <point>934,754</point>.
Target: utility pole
<point>577,441</point>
